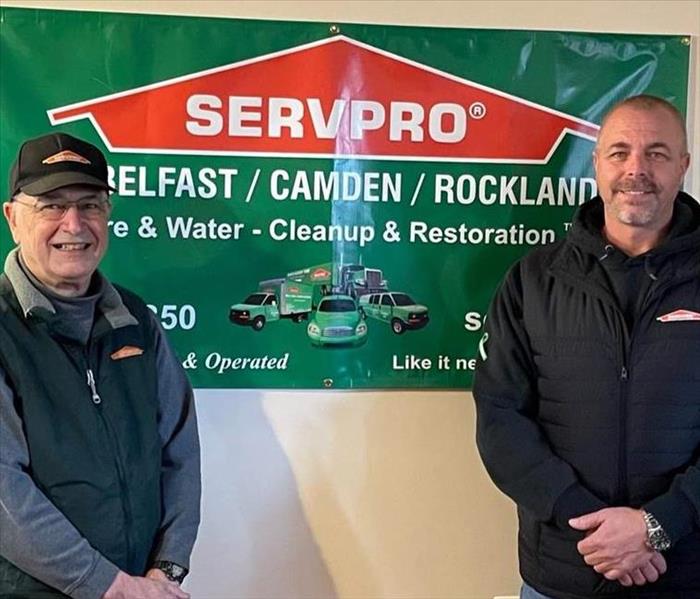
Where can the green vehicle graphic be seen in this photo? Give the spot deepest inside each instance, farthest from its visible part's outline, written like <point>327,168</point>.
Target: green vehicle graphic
<point>255,310</point>
<point>277,298</point>
<point>356,280</point>
<point>337,320</point>
<point>396,308</point>
<point>336,299</point>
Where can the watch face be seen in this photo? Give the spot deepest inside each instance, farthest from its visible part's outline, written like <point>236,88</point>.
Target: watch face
<point>659,541</point>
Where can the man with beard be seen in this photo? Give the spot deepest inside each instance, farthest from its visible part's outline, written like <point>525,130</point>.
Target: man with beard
<point>588,387</point>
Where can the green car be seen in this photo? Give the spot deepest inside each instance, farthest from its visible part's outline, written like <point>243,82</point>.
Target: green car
<point>337,320</point>
<point>396,308</point>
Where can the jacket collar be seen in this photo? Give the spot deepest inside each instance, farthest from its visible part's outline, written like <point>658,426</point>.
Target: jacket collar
<point>36,304</point>
<point>676,259</point>
<point>586,232</point>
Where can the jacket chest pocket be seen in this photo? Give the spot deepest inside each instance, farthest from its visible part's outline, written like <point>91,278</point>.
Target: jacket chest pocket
<point>572,358</point>
<point>670,360</point>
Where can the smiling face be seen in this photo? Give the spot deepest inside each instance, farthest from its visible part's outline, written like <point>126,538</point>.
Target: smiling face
<point>640,160</point>
<point>64,253</point>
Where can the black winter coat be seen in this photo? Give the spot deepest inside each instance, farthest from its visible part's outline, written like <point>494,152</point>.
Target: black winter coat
<point>575,412</point>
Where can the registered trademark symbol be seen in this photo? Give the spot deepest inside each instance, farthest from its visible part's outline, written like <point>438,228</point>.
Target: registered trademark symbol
<point>477,110</point>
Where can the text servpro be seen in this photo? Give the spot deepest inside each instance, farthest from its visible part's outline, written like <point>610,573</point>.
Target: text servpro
<point>446,121</point>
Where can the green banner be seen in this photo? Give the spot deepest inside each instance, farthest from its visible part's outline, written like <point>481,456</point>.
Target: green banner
<point>312,205</point>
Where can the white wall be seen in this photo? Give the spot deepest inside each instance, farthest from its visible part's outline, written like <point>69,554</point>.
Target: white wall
<point>364,494</point>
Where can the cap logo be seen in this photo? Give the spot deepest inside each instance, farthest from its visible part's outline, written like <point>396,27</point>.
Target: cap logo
<point>65,156</point>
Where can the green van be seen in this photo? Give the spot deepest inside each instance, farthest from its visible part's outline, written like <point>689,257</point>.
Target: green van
<point>396,308</point>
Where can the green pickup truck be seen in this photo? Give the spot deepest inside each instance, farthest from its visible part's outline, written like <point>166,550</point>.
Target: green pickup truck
<point>337,320</point>
<point>396,308</point>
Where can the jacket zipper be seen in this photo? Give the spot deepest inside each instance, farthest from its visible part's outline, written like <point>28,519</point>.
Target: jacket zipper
<point>622,413</point>
<point>97,401</point>
<point>627,344</point>
<point>656,291</point>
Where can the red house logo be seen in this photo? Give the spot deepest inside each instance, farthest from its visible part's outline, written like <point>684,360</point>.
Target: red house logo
<point>333,98</point>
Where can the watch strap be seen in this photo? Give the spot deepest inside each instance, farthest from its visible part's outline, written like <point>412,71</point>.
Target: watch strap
<point>657,537</point>
<point>172,571</point>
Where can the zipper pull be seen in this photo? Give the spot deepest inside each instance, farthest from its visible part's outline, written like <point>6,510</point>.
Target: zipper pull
<point>96,399</point>
<point>623,374</point>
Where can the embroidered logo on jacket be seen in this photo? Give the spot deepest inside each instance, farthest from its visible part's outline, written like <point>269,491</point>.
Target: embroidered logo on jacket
<point>679,315</point>
<point>126,352</point>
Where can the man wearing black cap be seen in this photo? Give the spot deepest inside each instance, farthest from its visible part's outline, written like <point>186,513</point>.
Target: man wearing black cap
<point>99,453</point>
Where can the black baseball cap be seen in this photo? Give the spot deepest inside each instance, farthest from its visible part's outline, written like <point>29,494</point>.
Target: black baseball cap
<point>56,160</point>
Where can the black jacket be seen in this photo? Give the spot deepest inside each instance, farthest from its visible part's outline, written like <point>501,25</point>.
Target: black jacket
<point>576,412</point>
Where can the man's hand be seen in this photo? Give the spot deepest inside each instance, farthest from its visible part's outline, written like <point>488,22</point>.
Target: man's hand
<point>137,587</point>
<point>650,573</point>
<point>157,574</point>
<point>615,546</point>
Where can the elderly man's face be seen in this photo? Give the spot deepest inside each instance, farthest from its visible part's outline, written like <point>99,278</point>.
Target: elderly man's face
<point>640,161</point>
<point>62,251</point>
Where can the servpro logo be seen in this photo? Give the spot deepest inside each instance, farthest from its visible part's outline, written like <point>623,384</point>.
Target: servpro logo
<point>332,98</point>
<point>320,273</point>
<point>680,316</point>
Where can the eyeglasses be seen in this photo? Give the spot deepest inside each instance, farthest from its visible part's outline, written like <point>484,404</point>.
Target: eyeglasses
<point>87,208</point>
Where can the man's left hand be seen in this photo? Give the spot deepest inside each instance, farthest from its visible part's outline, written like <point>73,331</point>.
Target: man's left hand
<point>615,543</point>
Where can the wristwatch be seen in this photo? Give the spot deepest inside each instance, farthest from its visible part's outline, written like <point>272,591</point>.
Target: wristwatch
<point>656,535</point>
<point>173,571</point>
